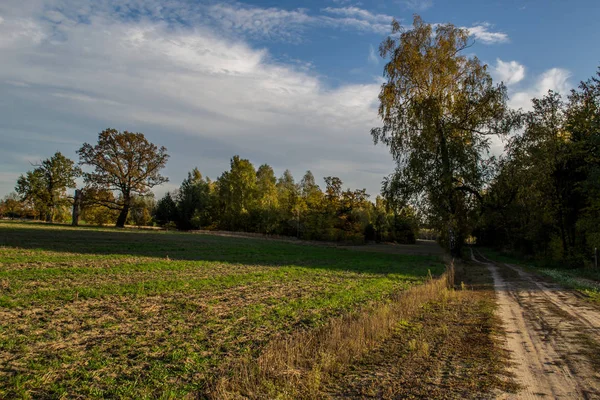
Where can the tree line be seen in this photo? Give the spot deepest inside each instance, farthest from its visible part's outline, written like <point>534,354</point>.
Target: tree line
<point>124,166</point>
<point>250,199</point>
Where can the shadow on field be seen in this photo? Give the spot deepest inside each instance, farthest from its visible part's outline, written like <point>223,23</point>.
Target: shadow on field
<point>205,247</point>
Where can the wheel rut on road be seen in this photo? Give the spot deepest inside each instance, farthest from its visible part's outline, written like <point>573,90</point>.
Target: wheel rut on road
<point>552,334</point>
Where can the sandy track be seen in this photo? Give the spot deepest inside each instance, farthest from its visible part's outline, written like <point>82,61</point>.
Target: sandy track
<point>553,336</point>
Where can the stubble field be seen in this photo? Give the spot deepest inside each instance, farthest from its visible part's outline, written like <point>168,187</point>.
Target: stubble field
<point>96,313</point>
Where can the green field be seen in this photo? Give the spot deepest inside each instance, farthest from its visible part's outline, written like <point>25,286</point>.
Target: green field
<point>98,313</point>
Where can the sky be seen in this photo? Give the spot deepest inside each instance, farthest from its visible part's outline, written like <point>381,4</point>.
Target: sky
<point>293,84</point>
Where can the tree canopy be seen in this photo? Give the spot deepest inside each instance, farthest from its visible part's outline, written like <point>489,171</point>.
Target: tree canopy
<point>543,201</point>
<point>45,186</point>
<point>438,109</point>
<point>124,162</point>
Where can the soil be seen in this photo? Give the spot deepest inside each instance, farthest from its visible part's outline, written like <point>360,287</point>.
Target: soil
<point>552,335</point>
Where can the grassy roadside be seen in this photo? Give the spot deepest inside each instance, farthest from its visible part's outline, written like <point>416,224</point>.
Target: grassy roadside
<point>303,364</point>
<point>584,280</point>
<point>95,313</point>
<point>451,349</point>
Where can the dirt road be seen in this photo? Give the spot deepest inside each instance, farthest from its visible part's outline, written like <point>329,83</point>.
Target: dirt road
<point>553,335</point>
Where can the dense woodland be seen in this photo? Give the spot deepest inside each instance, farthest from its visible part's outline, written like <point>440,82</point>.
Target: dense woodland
<point>438,107</point>
<point>544,197</point>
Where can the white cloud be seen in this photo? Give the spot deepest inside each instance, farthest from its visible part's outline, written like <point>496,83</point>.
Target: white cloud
<point>482,33</point>
<point>509,72</point>
<point>19,32</point>
<point>355,12</point>
<point>281,24</point>
<point>265,22</point>
<point>358,19</point>
<point>556,79</point>
<point>418,5</point>
<point>204,96</point>
<point>372,58</point>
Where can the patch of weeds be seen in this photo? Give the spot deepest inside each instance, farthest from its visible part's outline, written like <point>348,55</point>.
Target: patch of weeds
<point>573,279</point>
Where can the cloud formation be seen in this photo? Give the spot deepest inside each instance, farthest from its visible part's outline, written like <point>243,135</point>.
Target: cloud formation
<point>556,79</point>
<point>280,24</point>
<point>185,74</point>
<point>482,33</point>
<point>509,72</point>
<point>418,5</point>
<point>359,13</point>
<point>204,96</point>
<point>273,23</point>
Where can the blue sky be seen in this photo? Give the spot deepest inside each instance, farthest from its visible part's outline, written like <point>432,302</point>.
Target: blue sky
<point>292,84</point>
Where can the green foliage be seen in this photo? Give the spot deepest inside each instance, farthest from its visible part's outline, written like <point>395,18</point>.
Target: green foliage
<point>140,213</point>
<point>123,162</point>
<point>97,207</point>
<point>243,199</point>
<point>266,213</point>
<point>392,224</point>
<point>288,194</point>
<point>166,210</point>
<point>194,202</point>
<point>544,198</point>
<point>236,194</point>
<point>12,207</point>
<point>44,188</point>
<point>438,109</point>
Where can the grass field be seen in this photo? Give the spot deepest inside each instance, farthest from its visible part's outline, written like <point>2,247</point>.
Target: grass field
<point>94,313</point>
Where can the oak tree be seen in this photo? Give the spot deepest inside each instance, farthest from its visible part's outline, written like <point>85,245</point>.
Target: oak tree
<point>124,162</point>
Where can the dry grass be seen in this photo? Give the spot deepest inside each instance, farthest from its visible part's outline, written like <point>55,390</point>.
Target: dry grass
<point>298,365</point>
<point>450,350</point>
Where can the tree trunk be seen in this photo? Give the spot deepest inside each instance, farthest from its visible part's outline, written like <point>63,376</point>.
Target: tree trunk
<point>563,236</point>
<point>455,238</point>
<point>76,208</point>
<point>123,215</point>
